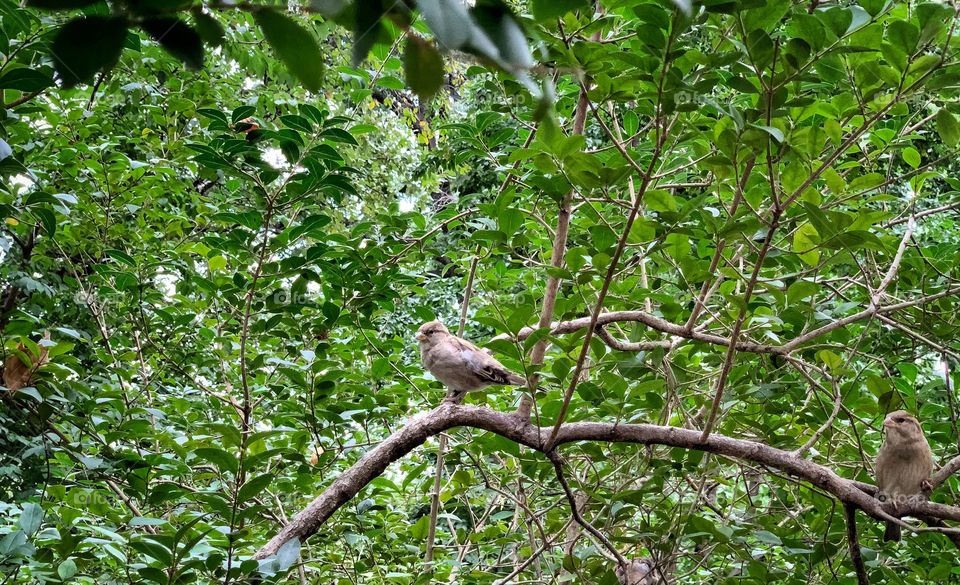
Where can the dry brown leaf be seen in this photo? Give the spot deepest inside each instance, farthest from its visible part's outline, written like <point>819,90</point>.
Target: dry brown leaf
<point>16,374</point>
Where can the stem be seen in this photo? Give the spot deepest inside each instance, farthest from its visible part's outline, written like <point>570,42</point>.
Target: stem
<point>564,214</point>
<point>853,542</point>
<point>738,326</point>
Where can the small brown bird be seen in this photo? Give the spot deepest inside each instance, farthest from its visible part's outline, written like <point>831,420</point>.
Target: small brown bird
<point>458,364</point>
<point>635,572</point>
<point>904,463</point>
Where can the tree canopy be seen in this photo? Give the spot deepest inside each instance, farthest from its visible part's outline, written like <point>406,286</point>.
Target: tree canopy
<point>719,239</point>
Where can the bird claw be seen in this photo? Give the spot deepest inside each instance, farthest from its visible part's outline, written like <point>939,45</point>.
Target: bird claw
<point>454,397</point>
<point>926,486</point>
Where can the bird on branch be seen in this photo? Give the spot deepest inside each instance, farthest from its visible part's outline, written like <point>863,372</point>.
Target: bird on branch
<point>460,365</point>
<point>904,464</point>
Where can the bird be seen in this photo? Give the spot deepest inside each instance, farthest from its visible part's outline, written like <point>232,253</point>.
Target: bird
<point>635,572</point>
<point>460,365</point>
<point>904,463</point>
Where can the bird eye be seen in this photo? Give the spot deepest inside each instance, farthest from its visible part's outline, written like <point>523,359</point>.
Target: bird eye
<point>899,419</point>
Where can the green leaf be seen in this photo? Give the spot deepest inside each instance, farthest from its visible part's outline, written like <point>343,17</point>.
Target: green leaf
<point>241,112</point>
<point>12,542</point>
<point>217,263</point>
<point>767,537</point>
<point>659,200</point>
<point>509,221</point>
<point>60,4</point>
<point>903,35</point>
<point>331,311</point>
<point>338,135</point>
<point>86,45</point>
<point>423,68</point>
<point>48,218</point>
<point>296,47</point>
<point>834,181</point>
<point>25,79</point>
<point>366,29</point>
<point>419,529</point>
<point>31,518</point>
<point>122,257</point>
<point>209,28</point>
<point>873,7</point>
<point>830,359</point>
<point>776,133</point>
<point>911,156</point>
<point>153,549</point>
<point>222,459</point>
<point>449,21</point>
<point>177,38</point>
<point>67,569</point>
<point>947,127</point>
<point>677,245</point>
<point>806,240</point>
<point>297,123</point>
<point>552,9</point>
<point>253,487</point>
<point>31,392</point>
<point>642,231</point>
<point>146,521</point>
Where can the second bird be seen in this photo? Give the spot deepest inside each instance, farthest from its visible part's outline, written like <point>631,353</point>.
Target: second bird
<point>904,463</point>
<point>458,364</point>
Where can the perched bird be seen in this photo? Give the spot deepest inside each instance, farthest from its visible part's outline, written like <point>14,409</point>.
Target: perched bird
<point>904,463</point>
<point>635,572</point>
<point>458,364</point>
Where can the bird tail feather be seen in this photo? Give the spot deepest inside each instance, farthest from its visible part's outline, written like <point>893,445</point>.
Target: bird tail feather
<point>892,532</point>
<point>517,380</point>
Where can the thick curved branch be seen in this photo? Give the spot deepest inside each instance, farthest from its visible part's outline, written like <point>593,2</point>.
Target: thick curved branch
<point>519,430</point>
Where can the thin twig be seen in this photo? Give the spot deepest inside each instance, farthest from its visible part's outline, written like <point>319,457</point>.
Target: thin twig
<point>558,467</point>
<point>850,511</point>
<point>738,325</point>
<point>418,241</point>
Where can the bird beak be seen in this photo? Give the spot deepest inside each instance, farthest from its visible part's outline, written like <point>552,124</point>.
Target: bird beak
<point>888,423</point>
<point>421,337</point>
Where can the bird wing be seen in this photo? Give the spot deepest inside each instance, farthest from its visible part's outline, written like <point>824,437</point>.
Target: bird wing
<point>484,366</point>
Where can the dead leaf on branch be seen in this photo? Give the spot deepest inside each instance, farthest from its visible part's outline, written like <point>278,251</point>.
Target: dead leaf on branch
<point>21,366</point>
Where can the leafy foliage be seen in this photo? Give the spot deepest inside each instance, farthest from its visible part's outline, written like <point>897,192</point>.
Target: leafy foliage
<point>230,263</point>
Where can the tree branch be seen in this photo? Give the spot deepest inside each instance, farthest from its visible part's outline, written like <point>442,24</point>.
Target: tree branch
<point>738,326</point>
<point>853,541</point>
<point>575,509</point>
<point>520,430</point>
<point>557,254</point>
<point>945,472</point>
<point>22,99</point>
<point>679,331</point>
<point>618,345</point>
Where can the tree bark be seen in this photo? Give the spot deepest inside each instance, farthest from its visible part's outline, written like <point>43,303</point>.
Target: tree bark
<point>520,430</point>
